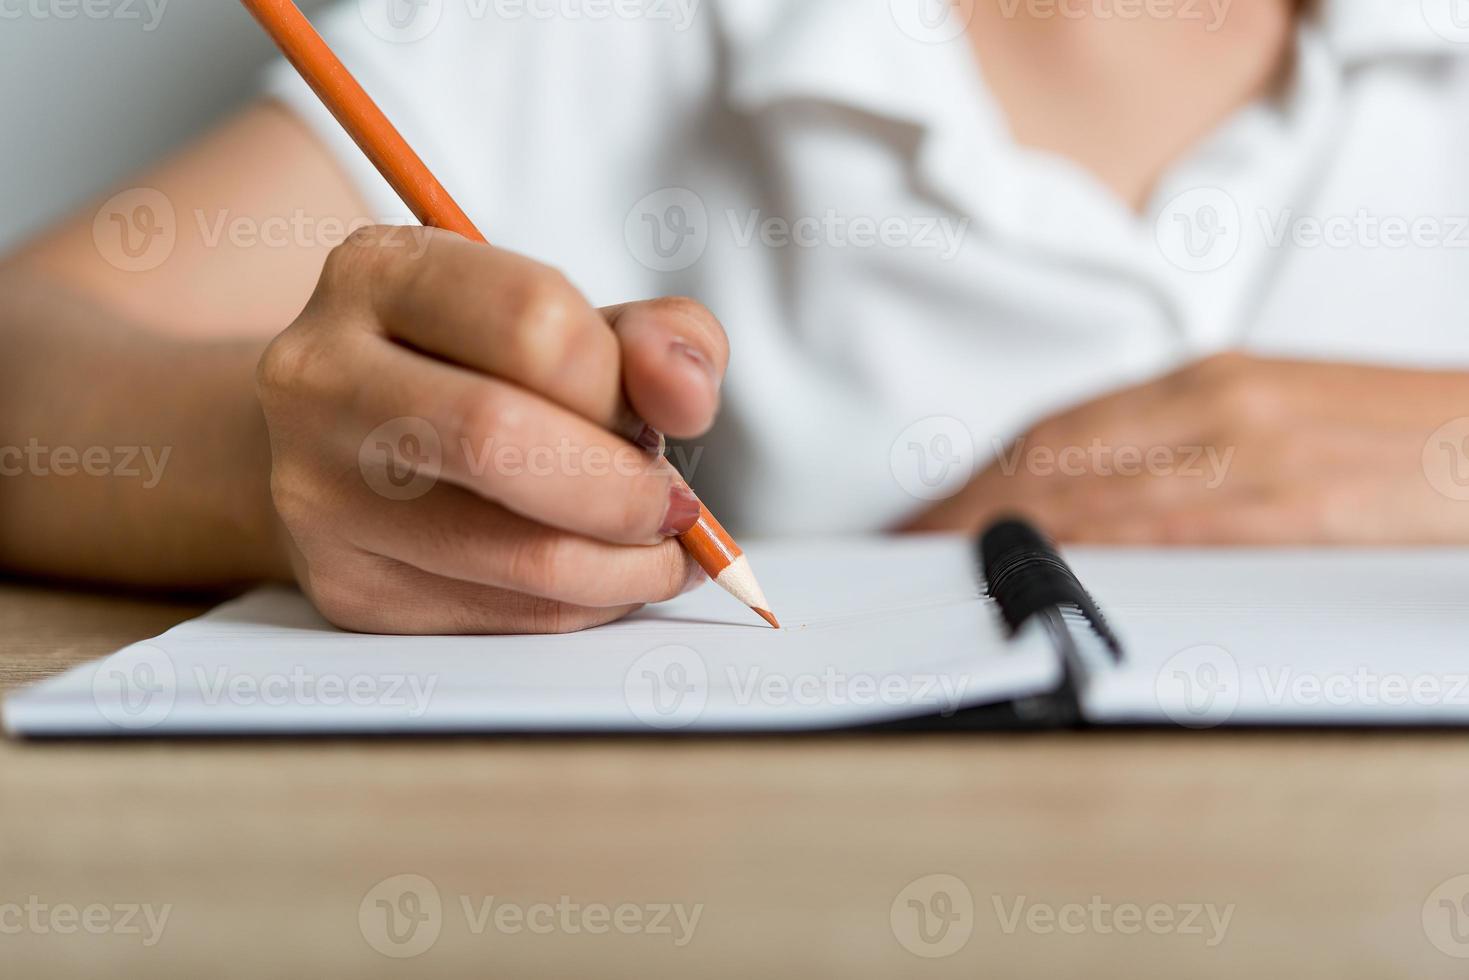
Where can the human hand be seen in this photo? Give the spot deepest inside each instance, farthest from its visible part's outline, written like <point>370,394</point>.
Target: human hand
<point>461,444</point>
<point>1239,450</point>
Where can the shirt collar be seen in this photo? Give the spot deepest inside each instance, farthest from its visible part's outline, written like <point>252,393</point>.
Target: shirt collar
<point>858,53</point>
<point>855,54</point>
<point>849,52</point>
<point>1360,31</point>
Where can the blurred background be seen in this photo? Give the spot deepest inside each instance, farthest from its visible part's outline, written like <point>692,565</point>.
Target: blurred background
<point>119,91</point>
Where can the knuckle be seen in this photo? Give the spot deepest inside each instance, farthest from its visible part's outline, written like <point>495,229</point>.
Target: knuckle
<point>539,565</point>
<point>368,236</point>
<point>547,615</point>
<point>302,359</point>
<point>541,347</point>
<point>484,417</point>
<point>371,259</point>
<point>546,333</point>
<point>282,366</point>
<point>294,503</point>
<point>542,298</point>
<point>553,617</point>
<point>355,254</point>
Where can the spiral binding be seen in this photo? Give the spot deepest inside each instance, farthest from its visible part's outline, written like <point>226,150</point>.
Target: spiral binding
<point>1026,575</point>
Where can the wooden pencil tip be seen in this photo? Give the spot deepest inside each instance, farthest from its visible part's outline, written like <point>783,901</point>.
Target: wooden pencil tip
<point>739,581</point>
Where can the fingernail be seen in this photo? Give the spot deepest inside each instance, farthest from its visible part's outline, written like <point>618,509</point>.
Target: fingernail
<point>682,348</point>
<point>650,440</point>
<point>683,511</point>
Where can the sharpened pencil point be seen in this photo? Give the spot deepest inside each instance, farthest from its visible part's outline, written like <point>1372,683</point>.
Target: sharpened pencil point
<point>739,581</point>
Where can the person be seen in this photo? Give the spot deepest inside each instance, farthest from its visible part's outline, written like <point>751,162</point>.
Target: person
<point>1172,273</point>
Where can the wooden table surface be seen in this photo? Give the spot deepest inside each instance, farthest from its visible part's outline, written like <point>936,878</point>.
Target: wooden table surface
<point>1132,855</point>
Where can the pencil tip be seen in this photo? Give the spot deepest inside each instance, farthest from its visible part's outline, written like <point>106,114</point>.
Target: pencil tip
<point>739,581</point>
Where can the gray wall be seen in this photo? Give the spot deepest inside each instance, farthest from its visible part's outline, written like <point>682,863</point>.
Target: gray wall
<point>90,99</point>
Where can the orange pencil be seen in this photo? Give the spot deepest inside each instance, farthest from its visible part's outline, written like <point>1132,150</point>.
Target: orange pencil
<point>708,542</point>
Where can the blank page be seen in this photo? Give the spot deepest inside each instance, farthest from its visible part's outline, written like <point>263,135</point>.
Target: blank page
<point>876,630</point>
<point>1334,637</point>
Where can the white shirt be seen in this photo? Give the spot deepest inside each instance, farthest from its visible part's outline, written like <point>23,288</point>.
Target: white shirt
<point>904,286</point>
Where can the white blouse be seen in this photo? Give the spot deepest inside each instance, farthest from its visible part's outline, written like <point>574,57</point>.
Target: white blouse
<point>905,287</point>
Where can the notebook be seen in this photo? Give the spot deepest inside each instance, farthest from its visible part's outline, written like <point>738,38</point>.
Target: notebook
<point>884,632</point>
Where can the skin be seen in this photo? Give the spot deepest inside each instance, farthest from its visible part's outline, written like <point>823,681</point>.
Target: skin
<point>267,374</point>
<point>271,472</point>
<point>1127,96</point>
<point>1237,450</point>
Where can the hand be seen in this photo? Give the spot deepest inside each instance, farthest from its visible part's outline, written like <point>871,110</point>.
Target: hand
<point>452,432</point>
<point>1241,450</point>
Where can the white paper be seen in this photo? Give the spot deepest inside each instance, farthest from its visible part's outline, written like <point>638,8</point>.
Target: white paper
<point>1235,637</point>
<point>876,630</point>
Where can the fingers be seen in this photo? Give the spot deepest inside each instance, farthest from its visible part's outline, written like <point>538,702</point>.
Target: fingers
<point>1076,503</point>
<point>1241,522</point>
<point>454,535</point>
<point>513,447</point>
<point>368,593</point>
<point>674,354</point>
<point>1230,450</point>
<point>439,418</point>
<point>504,315</point>
<point>489,310</point>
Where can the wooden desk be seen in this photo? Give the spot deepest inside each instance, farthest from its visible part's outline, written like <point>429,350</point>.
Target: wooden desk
<point>1326,846</point>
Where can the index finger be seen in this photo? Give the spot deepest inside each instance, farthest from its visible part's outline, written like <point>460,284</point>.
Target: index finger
<point>494,312</point>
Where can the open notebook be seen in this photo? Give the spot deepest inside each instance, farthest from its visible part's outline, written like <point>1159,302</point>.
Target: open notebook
<point>879,632</point>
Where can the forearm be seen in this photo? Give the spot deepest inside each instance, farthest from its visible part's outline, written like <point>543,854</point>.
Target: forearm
<point>127,456</point>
